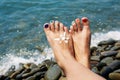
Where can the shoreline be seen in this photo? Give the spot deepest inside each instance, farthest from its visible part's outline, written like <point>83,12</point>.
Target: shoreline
<point>105,61</point>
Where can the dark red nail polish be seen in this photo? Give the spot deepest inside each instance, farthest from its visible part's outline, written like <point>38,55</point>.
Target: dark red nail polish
<point>85,20</point>
<point>46,26</point>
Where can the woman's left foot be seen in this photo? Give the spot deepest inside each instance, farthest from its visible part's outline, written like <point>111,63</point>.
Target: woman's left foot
<point>81,35</point>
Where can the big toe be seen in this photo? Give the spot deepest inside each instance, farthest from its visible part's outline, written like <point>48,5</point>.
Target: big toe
<point>85,23</point>
<point>46,27</point>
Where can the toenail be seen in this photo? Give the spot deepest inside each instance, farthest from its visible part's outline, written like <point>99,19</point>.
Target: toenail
<point>85,20</point>
<point>46,25</point>
<point>77,20</point>
<point>73,22</point>
<point>51,21</point>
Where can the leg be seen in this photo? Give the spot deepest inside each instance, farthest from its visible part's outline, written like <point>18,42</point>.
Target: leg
<point>81,35</point>
<point>61,43</point>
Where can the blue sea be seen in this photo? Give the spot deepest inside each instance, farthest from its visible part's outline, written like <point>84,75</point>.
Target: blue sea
<point>22,39</point>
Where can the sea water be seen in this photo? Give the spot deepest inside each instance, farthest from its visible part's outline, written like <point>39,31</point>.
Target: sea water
<point>22,39</point>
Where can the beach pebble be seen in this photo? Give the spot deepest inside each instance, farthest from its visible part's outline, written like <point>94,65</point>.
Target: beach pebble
<point>114,76</point>
<point>117,71</point>
<point>117,44</point>
<point>10,71</point>
<point>95,69</point>
<point>53,73</point>
<point>62,78</point>
<point>107,42</point>
<point>107,60</point>
<point>115,48</point>
<point>105,71</point>
<point>118,56</point>
<point>95,58</point>
<point>108,54</point>
<point>115,65</point>
<point>100,65</point>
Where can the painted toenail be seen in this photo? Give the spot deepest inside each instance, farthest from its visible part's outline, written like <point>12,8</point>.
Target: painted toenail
<point>85,20</point>
<point>73,22</point>
<point>51,21</point>
<point>46,25</point>
<point>77,20</point>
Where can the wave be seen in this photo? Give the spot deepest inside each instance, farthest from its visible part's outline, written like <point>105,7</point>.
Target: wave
<point>36,57</point>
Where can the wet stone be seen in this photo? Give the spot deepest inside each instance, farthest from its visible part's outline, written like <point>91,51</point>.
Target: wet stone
<point>115,65</point>
<point>62,78</point>
<point>117,44</point>
<point>93,51</point>
<point>10,71</point>
<point>114,76</point>
<point>105,71</point>
<point>118,56</point>
<point>107,60</point>
<point>108,48</point>
<point>94,69</point>
<point>107,42</point>
<point>117,71</point>
<point>53,73</point>
<point>115,48</point>
<point>95,58</point>
<point>108,54</point>
<point>32,66</point>
<point>101,65</point>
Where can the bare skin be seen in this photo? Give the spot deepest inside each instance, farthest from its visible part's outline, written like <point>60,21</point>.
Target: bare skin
<point>63,51</point>
<point>81,35</point>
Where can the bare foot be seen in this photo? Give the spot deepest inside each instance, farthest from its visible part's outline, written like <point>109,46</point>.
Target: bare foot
<point>61,42</point>
<point>81,35</point>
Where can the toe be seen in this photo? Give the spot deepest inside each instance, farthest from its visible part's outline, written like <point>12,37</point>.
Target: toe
<point>66,30</point>
<point>71,29</point>
<point>78,24</point>
<point>52,24</point>
<point>74,26</point>
<point>46,27</point>
<point>56,26</point>
<point>85,23</point>
<point>61,27</point>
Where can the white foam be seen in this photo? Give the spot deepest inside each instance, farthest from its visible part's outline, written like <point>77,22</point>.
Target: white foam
<point>37,57</point>
<point>97,37</point>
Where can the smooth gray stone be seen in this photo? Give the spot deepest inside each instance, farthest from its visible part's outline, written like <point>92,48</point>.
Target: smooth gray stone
<point>100,65</point>
<point>32,66</point>
<point>105,71</point>
<point>18,71</point>
<point>109,53</point>
<point>118,56</point>
<point>114,76</point>
<point>107,42</point>
<point>117,71</point>
<point>107,60</point>
<point>93,51</point>
<point>95,58</point>
<point>30,78</point>
<point>94,69</point>
<point>117,44</point>
<point>115,65</point>
<point>10,71</point>
<point>53,73</point>
<point>115,48</point>
<point>109,47</point>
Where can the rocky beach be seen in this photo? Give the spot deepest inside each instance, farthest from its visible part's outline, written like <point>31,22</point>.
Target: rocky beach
<point>105,61</point>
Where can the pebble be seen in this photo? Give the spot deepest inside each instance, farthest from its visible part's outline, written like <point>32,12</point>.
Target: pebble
<point>114,76</point>
<point>53,73</point>
<point>107,60</point>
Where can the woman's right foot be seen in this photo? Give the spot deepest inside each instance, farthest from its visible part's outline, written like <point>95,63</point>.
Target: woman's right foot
<point>61,43</point>
<point>81,35</point>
